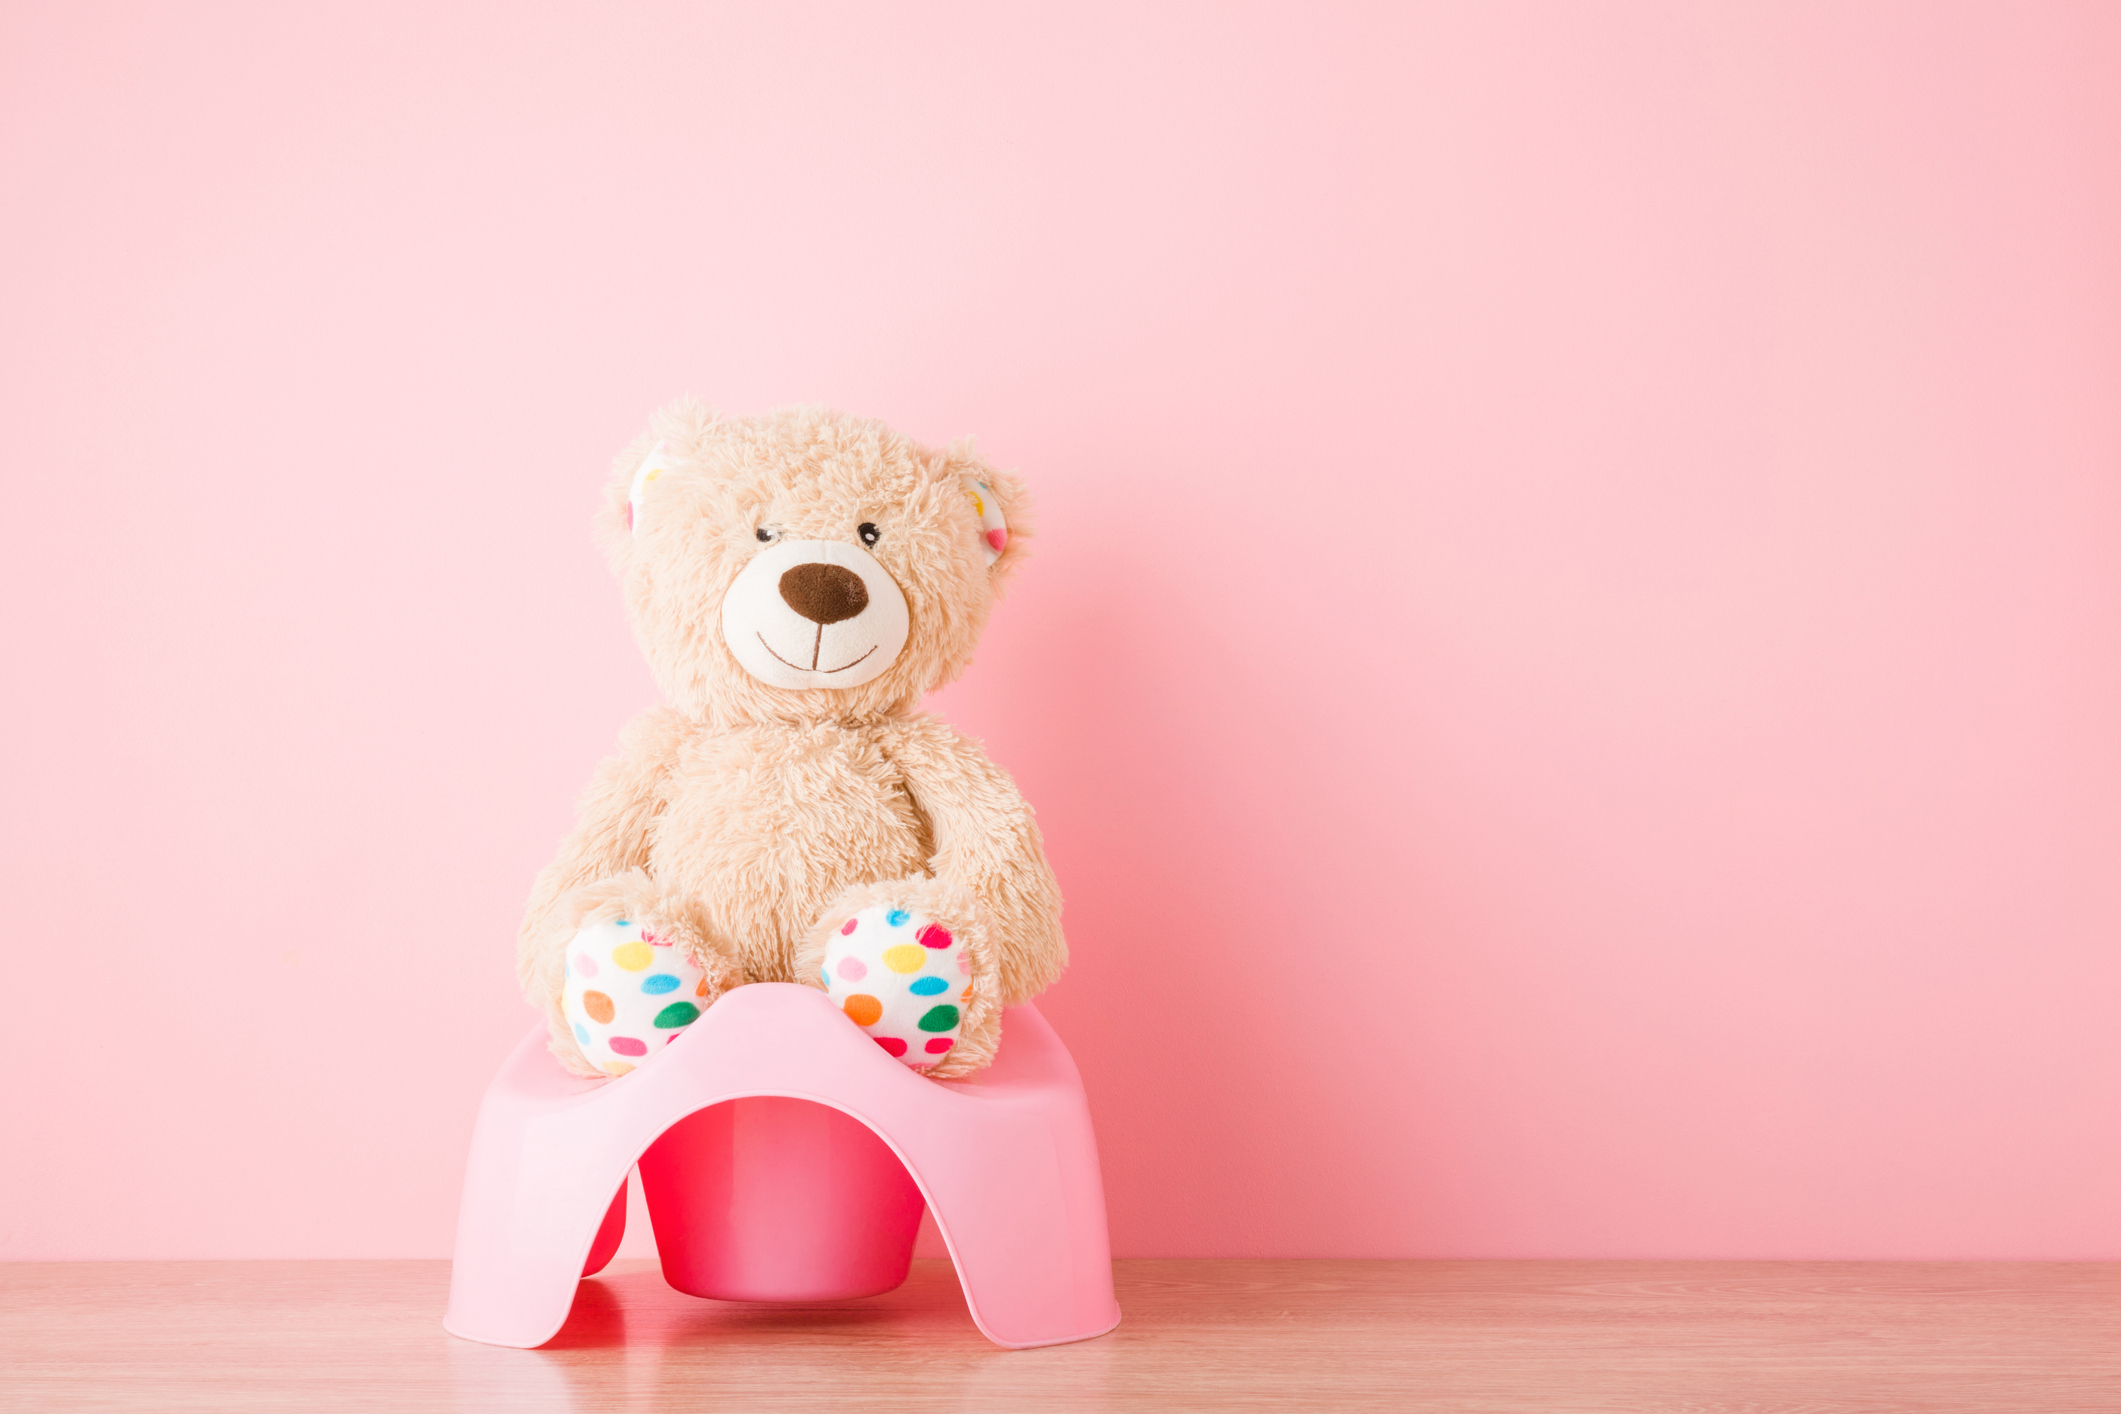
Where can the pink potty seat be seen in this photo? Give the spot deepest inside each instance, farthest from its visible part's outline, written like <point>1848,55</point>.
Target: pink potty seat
<point>785,1157</point>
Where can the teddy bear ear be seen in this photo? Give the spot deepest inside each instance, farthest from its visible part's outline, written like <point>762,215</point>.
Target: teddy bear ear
<point>645,476</point>
<point>993,525</point>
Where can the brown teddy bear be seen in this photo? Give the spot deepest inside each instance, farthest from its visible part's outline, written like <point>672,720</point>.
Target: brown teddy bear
<point>798,580</point>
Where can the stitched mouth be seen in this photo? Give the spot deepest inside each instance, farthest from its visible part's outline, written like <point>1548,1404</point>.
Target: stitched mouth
<point>814,668</point>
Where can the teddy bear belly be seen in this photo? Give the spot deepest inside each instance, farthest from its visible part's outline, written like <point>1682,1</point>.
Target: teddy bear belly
<point>767,863</point>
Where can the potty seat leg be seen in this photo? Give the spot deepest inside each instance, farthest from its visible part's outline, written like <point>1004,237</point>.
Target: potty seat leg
<point>606,1243</point>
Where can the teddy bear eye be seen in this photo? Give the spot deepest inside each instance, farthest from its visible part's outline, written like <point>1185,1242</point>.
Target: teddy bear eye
<point>869,533</point>
<point>767,537</point>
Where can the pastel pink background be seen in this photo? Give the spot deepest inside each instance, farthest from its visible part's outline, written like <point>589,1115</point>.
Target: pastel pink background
<point>1573,676</point>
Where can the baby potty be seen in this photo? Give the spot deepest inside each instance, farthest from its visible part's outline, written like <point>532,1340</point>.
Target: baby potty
<point>785,1157</point>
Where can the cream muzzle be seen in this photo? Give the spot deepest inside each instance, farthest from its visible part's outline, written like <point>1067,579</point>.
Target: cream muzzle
<point>814,613</point>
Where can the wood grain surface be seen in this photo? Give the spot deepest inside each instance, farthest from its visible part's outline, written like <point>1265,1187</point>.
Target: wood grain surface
<point>1480,1337</point>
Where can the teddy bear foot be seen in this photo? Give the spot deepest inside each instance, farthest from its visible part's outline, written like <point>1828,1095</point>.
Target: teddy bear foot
<point>914,985</point>
<point>630,991</point>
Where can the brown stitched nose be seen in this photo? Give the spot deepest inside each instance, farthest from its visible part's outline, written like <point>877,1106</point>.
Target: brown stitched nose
<point>824,594</point>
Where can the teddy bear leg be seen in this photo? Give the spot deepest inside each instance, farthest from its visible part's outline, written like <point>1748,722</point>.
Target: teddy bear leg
<point>628,992</point>
<point>913,970</point>
<point>901,976</point>
<point>636,974</point>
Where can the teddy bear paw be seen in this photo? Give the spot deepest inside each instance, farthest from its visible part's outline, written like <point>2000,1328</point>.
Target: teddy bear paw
<point>630,992</point>
<point>903,978</point>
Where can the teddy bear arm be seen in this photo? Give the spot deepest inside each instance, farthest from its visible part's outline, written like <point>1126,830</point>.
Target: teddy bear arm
<point>986,841</point>
<point>610,838</point>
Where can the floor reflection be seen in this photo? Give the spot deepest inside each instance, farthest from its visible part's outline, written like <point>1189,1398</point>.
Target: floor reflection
<point>632,1343</point>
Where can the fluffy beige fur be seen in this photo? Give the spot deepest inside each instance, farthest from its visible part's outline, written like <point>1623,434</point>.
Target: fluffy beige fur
<point>752,820</point>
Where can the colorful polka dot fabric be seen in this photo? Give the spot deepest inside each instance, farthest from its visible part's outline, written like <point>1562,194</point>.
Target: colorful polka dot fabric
<point>629,993</point>
<point>901,977</point>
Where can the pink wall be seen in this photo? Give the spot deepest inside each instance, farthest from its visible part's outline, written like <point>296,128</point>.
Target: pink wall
<point>1574,676</point>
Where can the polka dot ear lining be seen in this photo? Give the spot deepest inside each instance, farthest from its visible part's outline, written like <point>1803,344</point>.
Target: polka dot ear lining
<point>994,529</point>
<point>651,468</point>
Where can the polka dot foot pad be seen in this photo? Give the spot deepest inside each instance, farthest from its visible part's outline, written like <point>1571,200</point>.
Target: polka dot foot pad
<point>629,993</point>
<point>901,977</point>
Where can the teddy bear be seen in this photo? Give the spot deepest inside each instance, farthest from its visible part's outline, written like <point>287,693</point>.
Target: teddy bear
<point>798,580</point>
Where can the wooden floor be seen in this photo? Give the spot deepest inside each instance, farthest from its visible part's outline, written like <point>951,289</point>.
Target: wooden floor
<point>1550,1337</point>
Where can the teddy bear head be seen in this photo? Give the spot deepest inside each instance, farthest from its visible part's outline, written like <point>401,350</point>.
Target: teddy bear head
<point>805,564</point>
